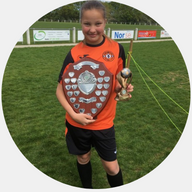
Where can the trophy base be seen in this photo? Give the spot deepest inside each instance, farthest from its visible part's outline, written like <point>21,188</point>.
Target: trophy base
<point>123,95</point>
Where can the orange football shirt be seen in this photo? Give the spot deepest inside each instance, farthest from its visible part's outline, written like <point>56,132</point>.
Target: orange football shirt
<point>112,55</point>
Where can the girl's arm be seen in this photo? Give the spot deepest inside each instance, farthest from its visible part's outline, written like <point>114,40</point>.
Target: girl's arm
<point>80,118</point>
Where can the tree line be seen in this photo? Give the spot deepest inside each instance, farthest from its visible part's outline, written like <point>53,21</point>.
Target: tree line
<point>115,12</point>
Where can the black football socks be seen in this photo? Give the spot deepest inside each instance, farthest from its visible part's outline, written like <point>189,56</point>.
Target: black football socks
<point>115,180</point>
<point>85,173</point>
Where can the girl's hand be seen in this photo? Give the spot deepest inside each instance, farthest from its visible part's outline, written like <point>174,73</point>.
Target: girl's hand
<point>83,119</point>
<point>118,87</point>
<point>80,118</point>
<point>130,89</point>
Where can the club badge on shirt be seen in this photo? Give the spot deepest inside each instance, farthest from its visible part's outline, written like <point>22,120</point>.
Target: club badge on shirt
<point>108,56</point>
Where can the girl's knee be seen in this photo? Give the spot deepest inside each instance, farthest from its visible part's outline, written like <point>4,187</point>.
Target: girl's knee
<point>84,159</point>
<point>112,168</point>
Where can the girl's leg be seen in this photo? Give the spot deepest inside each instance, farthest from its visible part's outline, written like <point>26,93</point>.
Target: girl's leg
<point>85,170</point>
<point>114,174</point>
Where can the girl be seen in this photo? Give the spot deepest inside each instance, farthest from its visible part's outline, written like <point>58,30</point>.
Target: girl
<point>82,131</point>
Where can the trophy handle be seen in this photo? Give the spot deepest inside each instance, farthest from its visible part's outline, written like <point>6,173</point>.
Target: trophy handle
<point>130,79</point>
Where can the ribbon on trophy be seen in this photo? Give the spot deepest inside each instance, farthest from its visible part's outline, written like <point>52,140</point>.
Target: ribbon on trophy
<point>124,78</point>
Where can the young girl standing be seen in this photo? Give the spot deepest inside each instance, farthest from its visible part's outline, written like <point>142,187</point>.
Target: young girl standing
<point>82,131</point>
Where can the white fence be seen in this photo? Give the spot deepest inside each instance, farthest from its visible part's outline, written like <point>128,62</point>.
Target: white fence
<point>74,35</point>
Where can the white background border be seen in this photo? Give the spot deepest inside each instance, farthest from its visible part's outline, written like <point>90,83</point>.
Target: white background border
<point>18,174</point>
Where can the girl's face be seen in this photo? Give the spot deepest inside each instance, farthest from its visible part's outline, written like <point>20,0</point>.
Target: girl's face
<point>93,25</point>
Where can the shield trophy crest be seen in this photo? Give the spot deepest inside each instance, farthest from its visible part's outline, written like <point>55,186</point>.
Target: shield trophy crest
<point>87,86</point>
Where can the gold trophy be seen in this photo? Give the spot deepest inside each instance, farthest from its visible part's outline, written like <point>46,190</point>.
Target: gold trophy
<point>124,78</point>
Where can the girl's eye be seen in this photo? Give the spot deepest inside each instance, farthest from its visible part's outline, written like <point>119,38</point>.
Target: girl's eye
<point>98,24</point>
<point>87,24</point>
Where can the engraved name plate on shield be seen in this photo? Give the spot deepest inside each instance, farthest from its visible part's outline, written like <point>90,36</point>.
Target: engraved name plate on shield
<point>87,86</point>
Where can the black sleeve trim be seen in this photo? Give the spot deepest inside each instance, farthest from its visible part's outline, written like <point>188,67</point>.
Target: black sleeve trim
<point>122,54</point>
<point>68,59</point>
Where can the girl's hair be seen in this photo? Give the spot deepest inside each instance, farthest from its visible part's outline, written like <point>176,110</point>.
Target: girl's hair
<point>93,4</point>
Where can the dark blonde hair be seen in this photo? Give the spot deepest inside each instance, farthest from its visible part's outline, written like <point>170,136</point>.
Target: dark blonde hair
<point>92,4</point>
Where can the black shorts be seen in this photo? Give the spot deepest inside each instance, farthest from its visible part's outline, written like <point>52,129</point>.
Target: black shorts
<point>79,142</point>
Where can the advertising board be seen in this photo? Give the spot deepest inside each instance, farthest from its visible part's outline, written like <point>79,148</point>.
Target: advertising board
<point>164,34</point>
<point>146,34</point>
<point>51,35</point>
<point>122,34</point>
<point>20,39</point>
<point>80,35</point>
